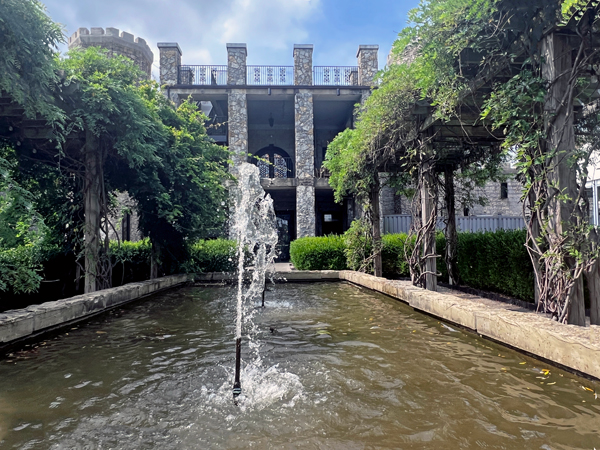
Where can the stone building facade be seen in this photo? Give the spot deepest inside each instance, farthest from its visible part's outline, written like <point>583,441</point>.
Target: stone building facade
<point>501,198</point>
<point>117,43</point>
<point>286,115</point>
<point>125,221</point>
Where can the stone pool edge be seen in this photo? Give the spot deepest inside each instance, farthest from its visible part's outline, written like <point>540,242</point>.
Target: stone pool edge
<point>18,325</point>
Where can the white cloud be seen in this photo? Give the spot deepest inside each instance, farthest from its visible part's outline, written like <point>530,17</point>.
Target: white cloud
<point>201,27</point>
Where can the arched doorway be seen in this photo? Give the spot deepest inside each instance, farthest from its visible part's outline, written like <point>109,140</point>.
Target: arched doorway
<point>274,162</point>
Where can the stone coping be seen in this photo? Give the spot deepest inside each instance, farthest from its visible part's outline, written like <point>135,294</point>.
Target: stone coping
<point>21,324</point>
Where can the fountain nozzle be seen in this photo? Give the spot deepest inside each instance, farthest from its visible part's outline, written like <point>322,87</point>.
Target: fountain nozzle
<point>237,386</point>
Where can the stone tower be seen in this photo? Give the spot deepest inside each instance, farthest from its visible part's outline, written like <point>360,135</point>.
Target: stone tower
<point>117,43</point>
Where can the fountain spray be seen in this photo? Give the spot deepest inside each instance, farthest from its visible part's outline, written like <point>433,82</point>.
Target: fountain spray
<point>253,227</point>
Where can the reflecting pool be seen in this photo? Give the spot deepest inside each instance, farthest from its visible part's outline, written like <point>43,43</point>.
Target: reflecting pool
<point>329,366</point>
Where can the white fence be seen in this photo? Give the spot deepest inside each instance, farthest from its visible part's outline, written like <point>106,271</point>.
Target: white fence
<point>400,223</point>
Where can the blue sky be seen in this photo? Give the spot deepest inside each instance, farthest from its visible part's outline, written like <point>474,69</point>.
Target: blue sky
<point>269,27</point>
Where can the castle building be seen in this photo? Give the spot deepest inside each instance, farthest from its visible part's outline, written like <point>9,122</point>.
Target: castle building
<point>117,43</point>
<point>284,115</point>
<point>123,44</point>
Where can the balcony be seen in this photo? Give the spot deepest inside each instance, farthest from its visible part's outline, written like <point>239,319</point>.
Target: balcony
<point>268,75</point>
<point>202,75</point>
<point>335,76</point>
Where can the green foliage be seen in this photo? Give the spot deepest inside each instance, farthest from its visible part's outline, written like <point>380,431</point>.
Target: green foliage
<point>393,250</point>
<point>20,223</point>
<point>318,253</point>
<point>497,262</point>
<point>20,269</point>
<point>131,261</point>
<point>359,246</point>
<point>215,255</point>
<point>28,45</point>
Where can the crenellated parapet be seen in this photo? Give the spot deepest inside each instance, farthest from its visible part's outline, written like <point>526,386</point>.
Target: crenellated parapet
<point>117,43</point>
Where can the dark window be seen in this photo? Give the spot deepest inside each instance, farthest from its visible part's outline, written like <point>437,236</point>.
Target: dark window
<point>274,163</point>
<point>466,212</point>
<point>503,190</point>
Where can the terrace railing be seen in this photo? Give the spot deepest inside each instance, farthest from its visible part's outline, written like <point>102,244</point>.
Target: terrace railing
<point>335,75</point>
<point>203,75</point>
<point>270,75</point>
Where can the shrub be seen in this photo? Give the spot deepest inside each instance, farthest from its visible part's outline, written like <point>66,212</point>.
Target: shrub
<point>20,269</point>
<point>358,243</point>
<point>318,253</point>
<point>132,261</point>
<point>392,255</point>
<point>497,262</point>
<point>216,255</point>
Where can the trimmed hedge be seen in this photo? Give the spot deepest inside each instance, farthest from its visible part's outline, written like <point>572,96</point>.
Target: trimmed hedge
<point>496,262</point>
<point>319,253</point>
<point>215,255</point>
<point>132,261</point>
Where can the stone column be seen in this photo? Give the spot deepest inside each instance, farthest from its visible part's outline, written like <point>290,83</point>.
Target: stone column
<point>303,70</point>
<point>236,65</point>
<point>238,125</point>
<point>367,64</point>
<point>170,60</point>
<point>305,165</point>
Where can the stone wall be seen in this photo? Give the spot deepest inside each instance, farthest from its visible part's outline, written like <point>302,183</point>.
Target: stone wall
<point>236,64</point>
<point>117,43</point>
<point>238,125</point>
<point>305,149</point>
<point>37,319</point>
<point>125,206</point>
<point>305,164</point>
<point>170,60</point>
<point>303,70</point>
<point>368,64</point>
<point>510,206</point>
<point>392,203</point>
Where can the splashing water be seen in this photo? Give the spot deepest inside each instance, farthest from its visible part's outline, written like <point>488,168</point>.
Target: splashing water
<point>253,227</point>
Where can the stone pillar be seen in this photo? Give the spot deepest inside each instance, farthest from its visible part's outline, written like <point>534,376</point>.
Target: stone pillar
<point>236,64</point>
<point>170,60</point>
<point>303,70</point>
<point>305,165</point>
<point>238,125</point>
<point>367,64</point>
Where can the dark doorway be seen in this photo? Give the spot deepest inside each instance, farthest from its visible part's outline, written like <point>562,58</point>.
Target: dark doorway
<point>332,223</point>
<point>284,225</point>
<point>284,203</point>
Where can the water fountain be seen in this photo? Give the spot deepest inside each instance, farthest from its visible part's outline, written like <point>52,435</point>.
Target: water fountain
<point>253,227</point>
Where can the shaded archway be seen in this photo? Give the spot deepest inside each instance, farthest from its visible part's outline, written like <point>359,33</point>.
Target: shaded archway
<point>274,162</point>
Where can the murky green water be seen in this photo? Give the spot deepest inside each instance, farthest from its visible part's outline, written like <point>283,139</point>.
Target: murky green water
<point>342,368</point>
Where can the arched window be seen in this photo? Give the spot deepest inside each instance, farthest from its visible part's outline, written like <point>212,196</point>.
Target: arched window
<point>274,162</point>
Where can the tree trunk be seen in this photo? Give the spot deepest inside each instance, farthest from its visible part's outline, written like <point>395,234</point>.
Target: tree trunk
<point>429,218</point>
<point>533,235</point>
<point>154,260</point>
<point>376,220</point>
<point>451,234</point>
<point>593,283</point>
<point>92,211</point>
<point>561,142</point>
